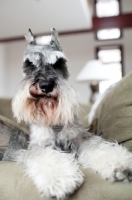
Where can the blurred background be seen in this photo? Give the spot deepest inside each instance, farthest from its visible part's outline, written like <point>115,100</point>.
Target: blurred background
<point>96,36</point>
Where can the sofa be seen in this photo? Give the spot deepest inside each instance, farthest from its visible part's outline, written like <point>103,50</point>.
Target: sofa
<point>113,122</point>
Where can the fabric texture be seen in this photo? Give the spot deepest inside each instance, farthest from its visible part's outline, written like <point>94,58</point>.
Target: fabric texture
<point>114,114</point>
<point>6,111</point>
<point>15,186</point>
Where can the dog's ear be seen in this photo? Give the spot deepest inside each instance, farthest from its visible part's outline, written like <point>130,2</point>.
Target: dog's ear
<point>30,37</point>
<point>54,37</point>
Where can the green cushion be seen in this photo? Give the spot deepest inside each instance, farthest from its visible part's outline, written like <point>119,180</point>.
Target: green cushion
<point>114,114</point>
<point>15,186</point>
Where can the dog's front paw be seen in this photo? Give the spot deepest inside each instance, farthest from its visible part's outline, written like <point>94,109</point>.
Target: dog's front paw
<point>64,177</point>
<point>123,175</point>
<point>117,174</point>
<point>64,185</point>
<point>55,174</point>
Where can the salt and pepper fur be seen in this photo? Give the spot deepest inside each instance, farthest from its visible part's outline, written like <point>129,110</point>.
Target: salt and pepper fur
<point>53,159</point>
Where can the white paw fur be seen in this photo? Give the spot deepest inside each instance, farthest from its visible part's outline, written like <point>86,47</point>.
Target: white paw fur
<point>111,160</point>
<point>55,174</point>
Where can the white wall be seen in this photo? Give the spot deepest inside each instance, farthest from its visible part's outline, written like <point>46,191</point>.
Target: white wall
<point>126,6</point>
<point>2,69</point>
<point>14,55</point>
<point>78,48</point>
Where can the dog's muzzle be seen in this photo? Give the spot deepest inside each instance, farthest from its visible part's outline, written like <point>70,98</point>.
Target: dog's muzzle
<point>46,85</point>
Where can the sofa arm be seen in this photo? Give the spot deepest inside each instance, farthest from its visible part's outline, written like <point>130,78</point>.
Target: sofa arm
<point>7,127</point>
<point>114,114</point>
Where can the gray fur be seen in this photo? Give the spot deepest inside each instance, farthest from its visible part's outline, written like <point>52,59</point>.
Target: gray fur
<point>18,141</point>
<point>36,61</point>
<point>70,144</point>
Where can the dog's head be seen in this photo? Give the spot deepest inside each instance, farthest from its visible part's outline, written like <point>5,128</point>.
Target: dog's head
<point>45,96</point>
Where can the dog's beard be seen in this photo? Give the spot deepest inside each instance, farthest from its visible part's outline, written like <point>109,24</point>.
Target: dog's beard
<point>55,108</point>
<point>42,106</point>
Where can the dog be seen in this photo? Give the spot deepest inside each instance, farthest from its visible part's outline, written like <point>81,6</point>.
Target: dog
<point>53,156</point>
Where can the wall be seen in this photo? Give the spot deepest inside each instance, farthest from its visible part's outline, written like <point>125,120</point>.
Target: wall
<point>126,6</point>
<point>2,69</point>
<point>14,55</point>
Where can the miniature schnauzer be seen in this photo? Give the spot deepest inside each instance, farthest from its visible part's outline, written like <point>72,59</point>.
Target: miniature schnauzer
<point>46,100</point>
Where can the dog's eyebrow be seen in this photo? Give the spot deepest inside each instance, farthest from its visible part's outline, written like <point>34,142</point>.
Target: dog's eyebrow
<point>54,56</point>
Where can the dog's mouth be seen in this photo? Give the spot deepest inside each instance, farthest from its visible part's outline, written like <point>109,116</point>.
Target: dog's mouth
<point>42,105</point>
<point>37,93</point>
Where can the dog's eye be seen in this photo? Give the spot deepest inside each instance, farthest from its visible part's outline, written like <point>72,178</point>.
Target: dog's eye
<point>61,67</point>
<point>28,67</point>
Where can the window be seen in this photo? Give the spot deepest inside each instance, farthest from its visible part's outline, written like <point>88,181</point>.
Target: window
<point>108,34</point>
<point>107,8</point>
<point>111,57</point>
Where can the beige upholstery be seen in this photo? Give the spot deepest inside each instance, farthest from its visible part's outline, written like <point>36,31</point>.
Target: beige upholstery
<point>6,111</point>
<point>15,186</point>
<point>114,114</point>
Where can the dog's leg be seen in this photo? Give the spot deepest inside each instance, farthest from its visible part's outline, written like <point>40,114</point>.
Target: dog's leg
<point>111,160</point>
<point>55,174</point>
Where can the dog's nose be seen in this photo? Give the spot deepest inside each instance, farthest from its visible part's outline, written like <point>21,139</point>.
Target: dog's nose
<point>46,85</point>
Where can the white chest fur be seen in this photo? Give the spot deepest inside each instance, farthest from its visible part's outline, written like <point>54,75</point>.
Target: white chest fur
<point>41,136</point>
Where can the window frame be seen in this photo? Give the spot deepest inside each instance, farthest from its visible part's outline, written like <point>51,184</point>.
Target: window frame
<point>95,15</point>
<point>109,47</point>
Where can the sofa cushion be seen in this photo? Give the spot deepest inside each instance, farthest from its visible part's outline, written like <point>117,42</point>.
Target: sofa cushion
<point>114,114</point>
<point>6,111</point>
<point>7,127</point>
<point>14,185</point>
